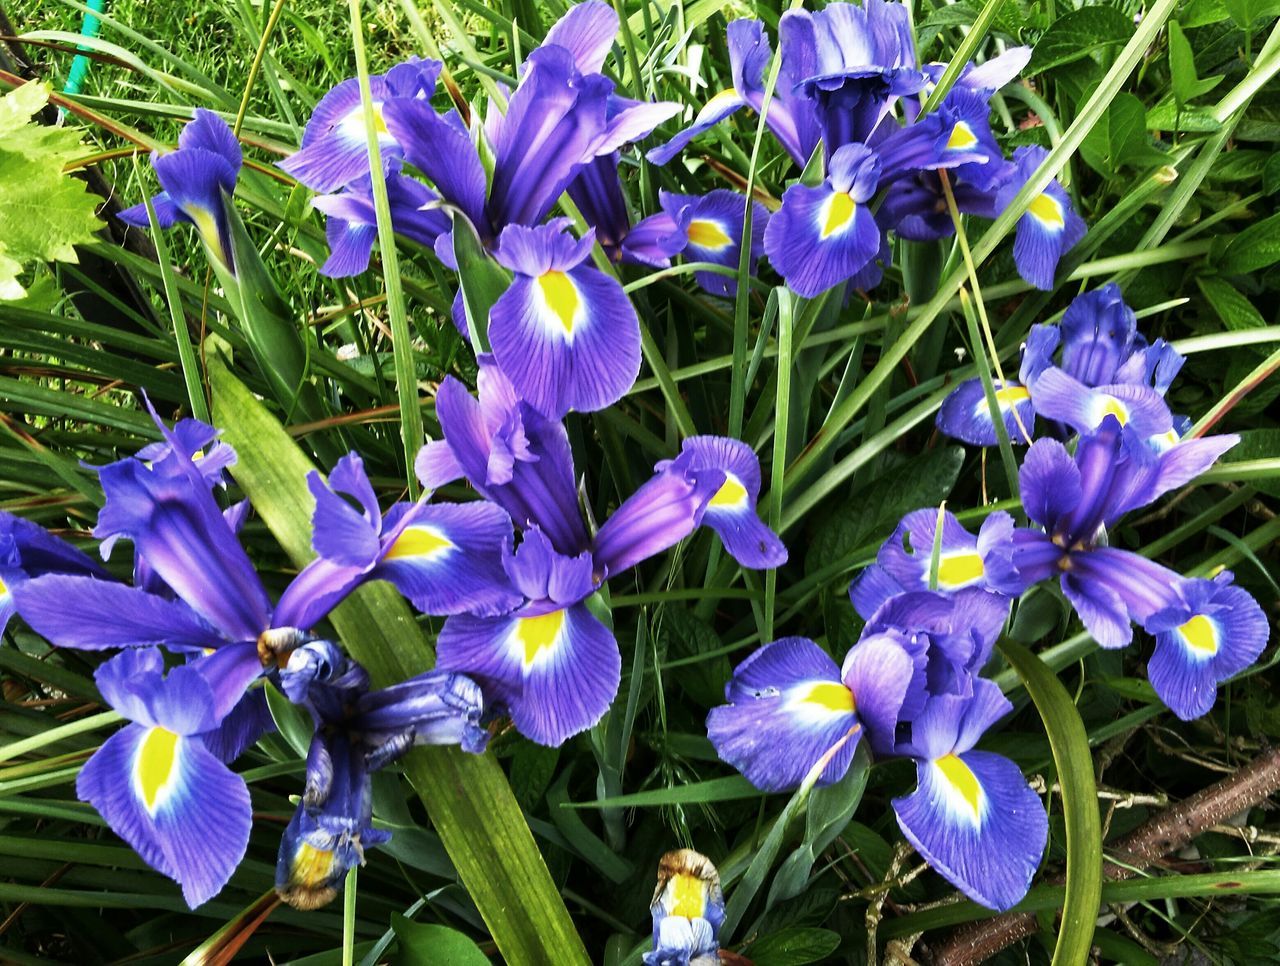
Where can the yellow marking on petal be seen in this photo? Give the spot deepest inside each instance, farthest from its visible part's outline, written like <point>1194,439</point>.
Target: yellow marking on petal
<point>959,569</point>
<point>1114,407</point>
<point>830,696</point>
<point>4,588</point>
<point>1012,394</point>
<point>689,896</point>
<point>731,495</point>
<point>716,104</point>
<point>155,764</point>
<point>536,634</point>
<point>561,297</point>
<point>840,211</point>
<point>962,137</point>
<point>1047,210</point>
<point>207,228</point>
<point>419,542</point>
<point>962,779</point>
<point>705,233</point>
<point>1200,634</point>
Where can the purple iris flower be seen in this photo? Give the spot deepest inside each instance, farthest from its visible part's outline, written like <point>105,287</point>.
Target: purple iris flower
<point>444,557</point>
<point>28,550</point>
<point>1048,229</point>
<point>903,562</point>
<point>549,661</point>
<point>358,731</point>
<point>854,62</point>
<point>196,180</point>
<point>792,114</point>
<point>687,911</point>
<point>564,332</point>
<point>1076,499</point>
<point>155,782</point>
<point>561,117</point>
<point>334,151</point>
<point>351,225</point>
<point>911,685</point>
<point>512,454</point>
<point>1104,366</point>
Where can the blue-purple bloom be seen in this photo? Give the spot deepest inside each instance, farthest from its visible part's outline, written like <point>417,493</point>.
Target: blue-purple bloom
<point>1104,366</point>
<point>549,661</point>
<point>903,562</point>
<point>334,151</point>
<point>911,686</point>
<point>564,332</point>
<point>197,179</point>
<point>1048,229</point>
<point>28,550</point>
<point>1205,630</point>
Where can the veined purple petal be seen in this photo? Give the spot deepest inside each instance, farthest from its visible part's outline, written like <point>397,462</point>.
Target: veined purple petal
<point>657,516</point>
<point>718,107</point>
<point>1048,229</point>
<point>1049,482</point>
<point>87,613</point>
<point>568,340</point>
<point>586,30</point>
<point>441,150</point>
<point>975,820</point>
<point>538,572</point>
<point>654,240</point>
<point>435,708</point>
<point>195,181</point>
<point>446,558</point>
<point>714,233</point>
<point>787,709</point>
<point>1214,632</point>
<point>557,670</point>
<point>173,521</point>
<point>597,191</point>
<point>879,672</point>
<point>1060,397</point>
<point>177,805</point>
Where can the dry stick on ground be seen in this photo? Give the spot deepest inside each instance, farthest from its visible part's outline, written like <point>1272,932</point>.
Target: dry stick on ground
<point>1170,830</point>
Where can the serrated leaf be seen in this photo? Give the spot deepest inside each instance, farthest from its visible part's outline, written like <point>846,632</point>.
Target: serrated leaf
<point>1231,306</point>
<point>44,214</point>
<point>1079,34</point>
<point>428,944</point>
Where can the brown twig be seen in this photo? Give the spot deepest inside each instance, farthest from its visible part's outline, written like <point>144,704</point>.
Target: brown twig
<point>1167,832</point>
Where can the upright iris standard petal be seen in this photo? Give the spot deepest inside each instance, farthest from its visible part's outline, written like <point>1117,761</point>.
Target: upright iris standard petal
<point>966,416</point>
<point>856,61</point>
<point>168,513</point>
<point>511,453</point>
<point>973,816</point>
<point>1216,631</point>
<point>564,333</point>
<point>1049,228</point>
<point>334,150</point>
<point>713,225</point>
<point>823,236</point>
<point>196,178</point>
<point>441,148</point>
<point>787,708</point>
<point>159,787</point>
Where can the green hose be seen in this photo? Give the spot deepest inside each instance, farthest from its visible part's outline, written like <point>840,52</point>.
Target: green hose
<point>89,29</point>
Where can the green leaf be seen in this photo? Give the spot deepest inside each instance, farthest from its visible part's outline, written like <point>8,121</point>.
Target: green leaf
<point>1246,13</point>
<point>1074,763</point>
<point>482,280</point>
<point>1235,311</point>
<point>1252,249</point>
<point>1120,138</point>
<point>427,944</point>
<point>293,723</point>
<point>1187,85</point>
<point>1079,34</point>
<point>467,796</point>
<point>793,947</point>
<point>725,789</point>
<point>44,214</point>
<point>1166,116</point>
